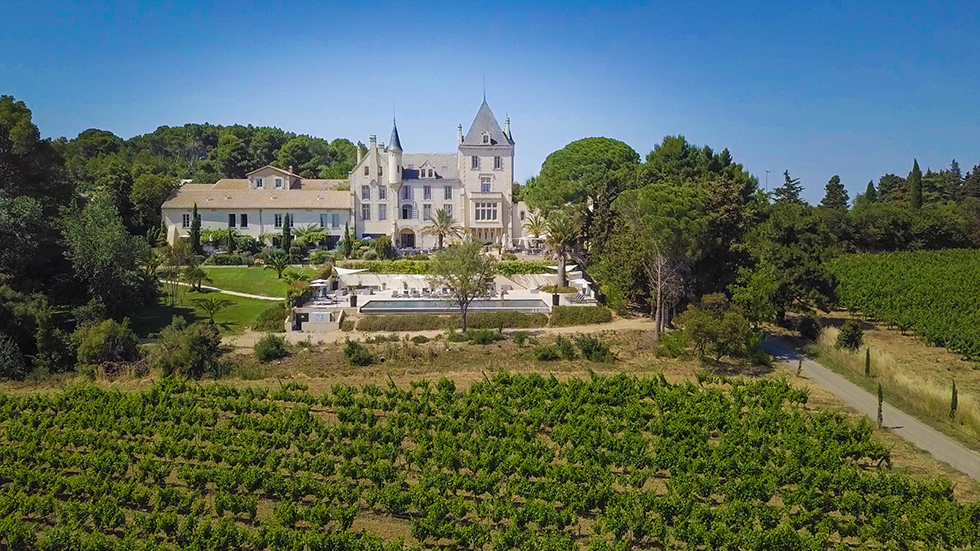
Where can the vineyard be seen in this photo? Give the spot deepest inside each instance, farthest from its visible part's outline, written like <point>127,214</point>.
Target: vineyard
<point>521,462</point>
<point>934,293</point>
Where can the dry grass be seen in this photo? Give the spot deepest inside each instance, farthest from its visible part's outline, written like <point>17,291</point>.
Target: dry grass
<point>916,376</point>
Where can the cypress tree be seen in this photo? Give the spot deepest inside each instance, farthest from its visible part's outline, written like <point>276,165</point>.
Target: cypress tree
<point>195,233</point>
<point>287,233</point>
<point>915,185</point>
<point>871,194</point>
<point>953,403</point>
<point>836,195</point>
<point>867,362</point>
<point>881,398</point>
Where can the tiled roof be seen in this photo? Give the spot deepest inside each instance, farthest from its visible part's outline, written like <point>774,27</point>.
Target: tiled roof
<point>229,183</point>
<point>259,199</point>
<point>485,121</point>
<point>313,183</point>
<point>284,171</point>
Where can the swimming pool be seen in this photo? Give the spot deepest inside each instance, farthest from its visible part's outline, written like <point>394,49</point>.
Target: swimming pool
<point>439,306</point>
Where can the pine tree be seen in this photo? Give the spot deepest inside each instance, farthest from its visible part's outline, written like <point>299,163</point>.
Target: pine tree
<point>953,403</point>
<point>867,362</point>
<point>871,194</point>
<point>790,190</point>
<point>971,184</point>
<point>195,233</point>
<point>287,233</point>
<point>915,186</point>
<point>952,180</point>
<point>881,399</point>
<point>836,197</point>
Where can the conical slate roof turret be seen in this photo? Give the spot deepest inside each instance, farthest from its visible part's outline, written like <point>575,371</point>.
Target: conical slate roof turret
<point>485,122</point>
<point>394,143</point>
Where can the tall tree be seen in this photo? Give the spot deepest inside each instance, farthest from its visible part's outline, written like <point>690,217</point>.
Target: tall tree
<point>585,175</point>
<point>107,261</point>
<point>971,184</point>
<point>195,233</point>
<point>915,185</point>
<point>790,190</point>
<point>443,226</point>
<point>670,221</point>
<point>892,187</point>
<point>836,195</point>
<point>952,182</point>
<point>870,194</point>
<point>564,232</point>
<point>287,233</point>
<point>148,195</point>
<point>466,271</point>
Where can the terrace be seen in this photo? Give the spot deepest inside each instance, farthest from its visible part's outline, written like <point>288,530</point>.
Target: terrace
<point>366,293</point>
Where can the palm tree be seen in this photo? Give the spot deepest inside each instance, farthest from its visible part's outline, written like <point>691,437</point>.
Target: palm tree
<point>310,234</point>
<point>212,305</point>
<point>536,225</point>
<point>563,233</point>
<point>277,261</point>
<point>443,226</point>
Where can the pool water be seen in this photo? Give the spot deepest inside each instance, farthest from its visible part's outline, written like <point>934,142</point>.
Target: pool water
<point>439,306</point>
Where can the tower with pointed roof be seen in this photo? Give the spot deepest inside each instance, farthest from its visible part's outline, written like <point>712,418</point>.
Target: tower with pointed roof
<point>474,184</point>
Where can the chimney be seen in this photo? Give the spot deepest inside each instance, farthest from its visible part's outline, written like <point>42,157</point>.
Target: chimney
<point>507,127</point>
<point>358,154</point>
<point>290,169</point>
<point>372,142</point>
<point>459,132</point>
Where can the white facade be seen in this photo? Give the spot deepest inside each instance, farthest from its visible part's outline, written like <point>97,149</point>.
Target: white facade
<point>395,193</point>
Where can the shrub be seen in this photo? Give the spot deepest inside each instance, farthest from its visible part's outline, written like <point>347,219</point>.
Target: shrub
<point>270,347</point>
<point>347,324</point>
<point>546,354</point>
<point>319,257</point>
<point>356,354</point>
<point>520,338</point>
<point>452,335</point>
<point>504,319</point>
<point>272,319</point>
<point>405,322</point>
<point>560,290</point>
<point>563,316</point>
<point>12,362</point>
<point>483,336</point>
<point>378,339</point>
<point>850,336</point>
<point>420,339</point>
<point>187,350</point>
<point>594,349</point>
<point>247,244</point>
<point>673,345</point>
<point>106,341</point>
<point>369,254</point>
<point>225,259</point>
<point>809,326</point>
<point>513,267</point>
<point>565,347</point>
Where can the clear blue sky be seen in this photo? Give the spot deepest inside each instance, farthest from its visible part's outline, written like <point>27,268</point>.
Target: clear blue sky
<point>814,87</point>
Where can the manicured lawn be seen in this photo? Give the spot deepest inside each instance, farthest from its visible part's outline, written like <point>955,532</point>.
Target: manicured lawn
<point>255,281</point>
<point>236,318</point>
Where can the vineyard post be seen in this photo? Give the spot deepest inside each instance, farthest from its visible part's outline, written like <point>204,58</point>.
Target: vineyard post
<point>799,366</point>
<point>953,403</point>
<point>867,362</point>
<point>881,420</point>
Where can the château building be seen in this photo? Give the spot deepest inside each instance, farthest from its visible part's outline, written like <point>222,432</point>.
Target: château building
<point>391,192</point>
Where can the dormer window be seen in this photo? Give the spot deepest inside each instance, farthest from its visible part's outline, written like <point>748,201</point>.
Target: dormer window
<point>278,183</point>
<point>486,138</point>
<point>259,184</point>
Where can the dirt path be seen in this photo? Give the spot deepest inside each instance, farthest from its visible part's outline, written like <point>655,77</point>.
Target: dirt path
<point>248,340</point>
<point>900,423</point>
